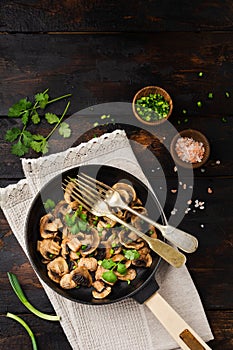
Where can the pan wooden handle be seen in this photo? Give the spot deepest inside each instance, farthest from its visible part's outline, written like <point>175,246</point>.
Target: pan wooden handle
<point>181,332</point>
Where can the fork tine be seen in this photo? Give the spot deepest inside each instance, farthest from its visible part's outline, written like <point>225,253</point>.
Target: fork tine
<point>102,186</point>
<point>85,187</point>
<point>85,202</point>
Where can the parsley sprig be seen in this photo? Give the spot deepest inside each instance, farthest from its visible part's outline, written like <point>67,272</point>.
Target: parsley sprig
<point>23,140</point>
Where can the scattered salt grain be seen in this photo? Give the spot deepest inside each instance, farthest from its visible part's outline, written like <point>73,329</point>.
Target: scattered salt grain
<point>190,186</point>
<point>152,170</point>
<point>209,190</point>
<point>189,202</point>
<point>174,191</point>
<point>173,212</point>
<point>189,150</point>
<point>202,226</point>
<point>184,186</point>
<point>202,170</point>
<point>202,207</point>
<point>160,187</point>
<point>218,162</point>
<point>180,183</point>
<point>158,168</point>
<point>175,169</point>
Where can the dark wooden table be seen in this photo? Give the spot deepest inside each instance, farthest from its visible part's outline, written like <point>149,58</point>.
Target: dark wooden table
<point>104,51</point>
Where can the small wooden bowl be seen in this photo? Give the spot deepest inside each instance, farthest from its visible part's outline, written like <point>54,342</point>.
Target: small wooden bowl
<point>145,92</point>
<point>196,136</point>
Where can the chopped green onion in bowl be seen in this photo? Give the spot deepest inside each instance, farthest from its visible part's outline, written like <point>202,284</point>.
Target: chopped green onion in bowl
<point>153,107</point>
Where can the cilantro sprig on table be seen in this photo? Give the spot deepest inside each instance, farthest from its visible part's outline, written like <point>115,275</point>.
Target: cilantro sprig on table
<point>21,138</point>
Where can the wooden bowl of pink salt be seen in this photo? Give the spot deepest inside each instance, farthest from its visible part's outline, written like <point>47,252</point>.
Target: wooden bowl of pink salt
<point>190,148</point>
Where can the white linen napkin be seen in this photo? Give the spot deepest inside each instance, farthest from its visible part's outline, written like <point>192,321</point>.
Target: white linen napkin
<point>129,324</point>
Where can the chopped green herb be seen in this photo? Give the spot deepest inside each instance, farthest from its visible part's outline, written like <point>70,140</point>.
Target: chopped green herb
<point>108,264</point>
<point>186,120</point>
<point>131,254</point>
<point>49,204</point>
<point>152,107</point>
<point>199,104</point>
<point>78,253</point>
<point>178,122</point>
<point>227,94</point>
<point>74,229</point>
<point>184,111</point>
<point>111,251</point>
<point>128,281</point>
<point>114,244</point>
<point>121,268</point>
<point>50,256</point>
<point>224,120</point>
<point>74,267</point>
<point>84,246</point>
<point>108,226</point>
<point>95,124</point>
<point>109,276</point>
<point>210,95</point>
<point>200,74</point>
<point>150,232</point>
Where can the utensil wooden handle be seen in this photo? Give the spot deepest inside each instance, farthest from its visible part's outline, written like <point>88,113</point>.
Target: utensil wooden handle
<point>180,331</point>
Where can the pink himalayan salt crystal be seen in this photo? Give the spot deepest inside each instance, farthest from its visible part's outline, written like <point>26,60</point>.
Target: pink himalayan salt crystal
<point>189,150</point>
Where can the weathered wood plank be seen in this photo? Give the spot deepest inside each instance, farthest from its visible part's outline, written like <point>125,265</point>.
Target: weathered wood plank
<point>49,335</point>
<point>37,16</point>
<point>146,145</point>
<point>108,68</point>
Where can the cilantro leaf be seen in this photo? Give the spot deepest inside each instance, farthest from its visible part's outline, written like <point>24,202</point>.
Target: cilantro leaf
<point>108,264</point>
<point>27,138</point>
<point>35,117</point>
<point>25,117</point>
<point>131,254</point>
<point>12,134</point>
<point>109,276</point>
<point>19,149</point>
<point>51,118</point>
<point>40,144</point>
<point>42,99</point>
<point>121,268</point>
<point>49,204</point>
<point>82,225</point>
<point>19,107</point>
<point>64,130</point>
<point>74,229</point>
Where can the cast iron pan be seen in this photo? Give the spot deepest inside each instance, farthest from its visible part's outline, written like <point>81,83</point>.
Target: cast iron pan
<point>143,288</point>
<point>143,285</point>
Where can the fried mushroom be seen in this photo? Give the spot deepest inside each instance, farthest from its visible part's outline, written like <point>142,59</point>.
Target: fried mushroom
<point>103,294</point>
<point>57,268</point>
<point>49,225</point>
<point>48,248</point>
<point>78,277</point>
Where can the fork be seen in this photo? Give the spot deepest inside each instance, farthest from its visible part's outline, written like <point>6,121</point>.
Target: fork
<point>89,198</point>
<point>181,239</point>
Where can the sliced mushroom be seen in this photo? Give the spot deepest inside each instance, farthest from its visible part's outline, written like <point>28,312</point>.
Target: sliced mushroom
<point>74,243</point>
<point>123,237</point>
<point>90,263</point>
<point>61,209</point>
<point>57,268</point>
<point>93,243</point>
<point>143,261</point>
<point>120,257</point>
<point>48,248</point>
<point>99,286</point>
<point>136,221</point>
<point>102,294</point>
<point>66,282</point>
<point>129,276</point>
<point>81,276</point>
<point>68,195</point>
<point>126,191</point>
<point>49,225</point>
